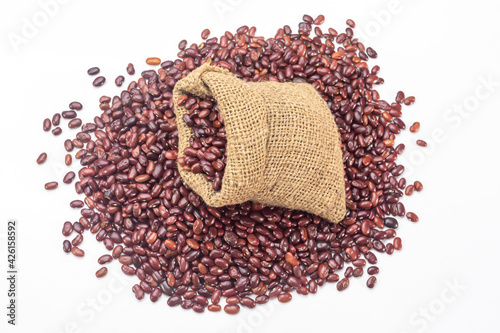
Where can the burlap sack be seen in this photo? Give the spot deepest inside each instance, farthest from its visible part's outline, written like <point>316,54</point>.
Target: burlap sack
<point>283,146</point>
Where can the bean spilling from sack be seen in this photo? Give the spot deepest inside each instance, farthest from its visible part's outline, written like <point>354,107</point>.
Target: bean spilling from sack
<point>160,162</point>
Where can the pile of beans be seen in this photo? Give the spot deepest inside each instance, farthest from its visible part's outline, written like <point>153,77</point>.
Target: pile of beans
<point>193,254</point>
<point>207,147</point>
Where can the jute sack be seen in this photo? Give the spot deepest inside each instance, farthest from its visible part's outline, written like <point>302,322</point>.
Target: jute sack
<point>283,146</point>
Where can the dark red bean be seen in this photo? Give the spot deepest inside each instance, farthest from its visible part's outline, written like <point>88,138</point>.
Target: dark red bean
<point>77,240</point>
<point>351,23</point>
<point>119,80</point>
<point>248,302</point>
<point>409,100</point>
<point>42,158</point>
<point>319,20</point>
<point>68,145</point>
<point>138,292</point>
<point>74,123</point>
<point>130,69</point>
<point>68,178</point>
<point>128,270</point>
<point>372,270</point>
<point>418,186</point>
<point>412,217</point>
<point>284,298</point>
<point>83,137</point>
<point>67,246</point>
<point>415,127</point>
<point>67,228</point>
<point>47,124</point>
<point>214,307</point>
<point>68,114</point>
<point>232,309</point>
<point>93,71</point>
<point>76,204</point>
<point>117,251</point>
<point>371,282</point>
<point>343,284</point>
<point>56,119</point>
<point>99,81</point>
<point>422,143</point>
<point>371,52</point>
<point>155,295</point>
<point>68,159</point>
<point>409,189</point>
<point>205,33</point>
<point>77,252</point>
<point>57,131</point>
<point>307,18</point>
<point>105,259</point>
<point>51,185</point>
<point>391,222</point>
<point>101,272</point>
<point>75,106</point>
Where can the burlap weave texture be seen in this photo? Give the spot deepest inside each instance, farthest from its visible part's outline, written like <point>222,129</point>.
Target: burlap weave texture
<point>283,145</point>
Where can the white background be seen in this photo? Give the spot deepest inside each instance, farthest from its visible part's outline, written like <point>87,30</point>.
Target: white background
<point>446,278</point>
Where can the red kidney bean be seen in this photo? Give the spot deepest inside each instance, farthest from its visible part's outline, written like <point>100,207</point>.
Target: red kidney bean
<point>128,270</point>
<point>412,217</point>
<point>415,127</point>
<point>343,284</point>
<point>409,100</point>
<point>77,240</point>
<point>214,307</point>
<point>101,272</point>
<point>67,228</point>
<point>391,222</point>
<point>67,159</point>
<point>117,251</point>
<point>284,298</point>
<point>105,259</point>
<point>68,114</point>
<point>99,81</point>
<point>155,295</point>
<point>67,246</point>
<point>46,124</point>
<point>422,143</point>
<point>74,123</point>
<point>409,189</point>
<point>119,80</point>
<point>418,186</point>
<point>68,145</point>
<point>68,178</point>
<point>205,33</point>
<point>370,283</point>
<point>371,52</point>
<point>77,252</point>
<point>93,71</point>
<point>130,69</point>
<point>51,185</point>
<point>232,309</point>
<point>57,131</point>
<point>56,119</point>
<point>372,270</point>
<point>139,293</point>
<point>42,158</point>
<point>76,204</point>
<point>75,106</point>
<point>358,272</point>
